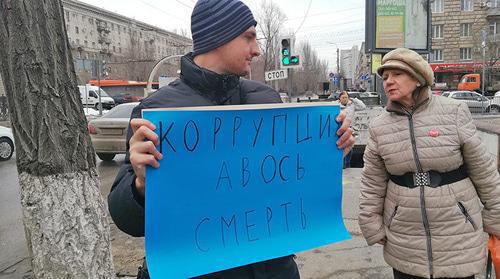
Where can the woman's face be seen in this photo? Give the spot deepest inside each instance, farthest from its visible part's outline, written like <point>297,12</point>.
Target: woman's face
<point>344,99</point>
<point>399,86</point>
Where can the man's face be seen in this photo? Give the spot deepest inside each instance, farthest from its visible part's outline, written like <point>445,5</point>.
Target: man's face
<point>236,56</point>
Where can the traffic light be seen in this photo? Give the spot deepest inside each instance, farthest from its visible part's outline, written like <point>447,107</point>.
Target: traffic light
<point>105,69</point>
<point>287,59</point>
<point>285,52</point>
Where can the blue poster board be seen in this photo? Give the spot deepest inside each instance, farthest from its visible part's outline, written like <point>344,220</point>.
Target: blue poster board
<point>238,186</point>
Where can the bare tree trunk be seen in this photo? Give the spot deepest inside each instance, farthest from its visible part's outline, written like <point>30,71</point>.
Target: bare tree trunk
<point>63,212</point>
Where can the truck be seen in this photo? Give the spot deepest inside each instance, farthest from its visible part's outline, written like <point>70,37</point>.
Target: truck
<point>89,95</point>
<point>472,82</point>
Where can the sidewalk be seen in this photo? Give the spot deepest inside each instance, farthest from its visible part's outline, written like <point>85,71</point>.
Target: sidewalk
<point>352,259</point>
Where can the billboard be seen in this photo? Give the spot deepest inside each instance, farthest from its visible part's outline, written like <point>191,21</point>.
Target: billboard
<point>397,23</point>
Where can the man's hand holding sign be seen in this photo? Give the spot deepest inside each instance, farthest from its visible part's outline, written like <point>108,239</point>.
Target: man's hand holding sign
<point>237,185</point>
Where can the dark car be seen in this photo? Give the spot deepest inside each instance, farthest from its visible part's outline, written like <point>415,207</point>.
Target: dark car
<point>122,98</point>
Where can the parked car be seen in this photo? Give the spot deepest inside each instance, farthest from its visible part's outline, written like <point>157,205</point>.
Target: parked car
<point>109,132</point>
<point>6,143</point>
<point>121,98</point>
<point>475,101</point>
<point>284,97</point>
<point>369,98</point>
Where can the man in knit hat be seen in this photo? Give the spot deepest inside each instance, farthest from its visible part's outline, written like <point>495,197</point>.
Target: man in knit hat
<point>224,44</point>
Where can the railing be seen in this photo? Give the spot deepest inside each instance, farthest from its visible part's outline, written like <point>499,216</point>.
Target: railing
<point>4,109</point>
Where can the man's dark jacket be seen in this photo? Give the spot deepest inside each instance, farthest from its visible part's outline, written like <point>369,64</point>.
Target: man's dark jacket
<point>196,87</point>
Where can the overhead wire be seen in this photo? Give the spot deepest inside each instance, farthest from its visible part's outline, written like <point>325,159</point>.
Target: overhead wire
<point>325,13</point>
<point>162,11</point>
<point>184,4</point>
<point>305,17</point>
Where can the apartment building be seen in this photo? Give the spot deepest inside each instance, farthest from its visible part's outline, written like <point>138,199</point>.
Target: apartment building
<point>348,62</point>
<point>115,46</point>
<point>459,28</point>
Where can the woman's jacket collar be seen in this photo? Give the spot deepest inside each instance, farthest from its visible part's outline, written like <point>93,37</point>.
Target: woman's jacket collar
<point>420,95</point>
<point>216,87</point>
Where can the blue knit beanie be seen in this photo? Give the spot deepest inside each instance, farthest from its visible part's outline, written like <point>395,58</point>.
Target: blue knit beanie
<point>216,22</point>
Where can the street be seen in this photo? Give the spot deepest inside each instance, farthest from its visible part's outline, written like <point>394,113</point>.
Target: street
<point>348,259</point>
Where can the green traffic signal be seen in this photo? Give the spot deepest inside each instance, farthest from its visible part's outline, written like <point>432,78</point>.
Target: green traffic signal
<point>286,60</point>
<point>294,60</point>
<point>286,51</point>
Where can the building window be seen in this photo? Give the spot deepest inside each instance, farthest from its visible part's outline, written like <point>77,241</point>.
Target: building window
<point>86,43</point>
<point>467,5</point>
<point>67,15</point>
<point>465,53</point>
<point>77,42</point>
<point>93,44</point>
<point>465,29</point>
<point>493,28</point>
<point>437,55</point>
<point>76,30</point>
<point>91,21</point>
<point>437,31</point>
<point>114,49</point>
<point>437,6</point>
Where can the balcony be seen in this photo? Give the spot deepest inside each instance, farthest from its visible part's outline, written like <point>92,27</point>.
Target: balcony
<point>493,12</point>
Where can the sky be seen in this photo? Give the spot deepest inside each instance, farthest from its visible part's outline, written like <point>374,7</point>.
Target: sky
<point>326,24</point>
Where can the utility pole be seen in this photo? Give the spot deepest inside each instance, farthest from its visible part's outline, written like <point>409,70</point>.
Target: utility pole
<point>99,85</point>
<point>483,45</point>
<point>338,61</point>
<point>276,58</point>
<point>290,82</point>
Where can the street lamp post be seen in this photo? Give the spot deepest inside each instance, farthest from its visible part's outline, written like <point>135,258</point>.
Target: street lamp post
<point>338,58</point>
<point>152,74</point>
<point>483,45</point>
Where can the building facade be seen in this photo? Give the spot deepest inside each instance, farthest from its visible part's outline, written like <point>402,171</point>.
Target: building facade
<point>459,28</point>
<point>114,46</point>
<point>363,76</point>
<point>348,62</point>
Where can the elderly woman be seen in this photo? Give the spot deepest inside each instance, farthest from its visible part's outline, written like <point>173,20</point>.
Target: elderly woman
<point>429,188</point>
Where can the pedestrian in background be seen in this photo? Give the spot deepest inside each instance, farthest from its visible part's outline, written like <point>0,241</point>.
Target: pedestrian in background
<point>430,190</point>
<point>224,44</point>
<point>350,106</point>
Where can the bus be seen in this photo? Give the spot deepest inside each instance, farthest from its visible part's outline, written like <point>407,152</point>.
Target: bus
<point>124,91</point>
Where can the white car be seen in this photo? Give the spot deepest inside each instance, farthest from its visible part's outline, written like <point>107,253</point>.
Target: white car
<point>497,94</point>
<point>6,143</point>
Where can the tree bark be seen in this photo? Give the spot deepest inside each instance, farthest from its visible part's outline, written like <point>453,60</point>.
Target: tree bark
<point>65,219</point>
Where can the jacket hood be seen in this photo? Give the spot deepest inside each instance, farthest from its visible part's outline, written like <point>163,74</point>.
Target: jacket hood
<point>215,86</point>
